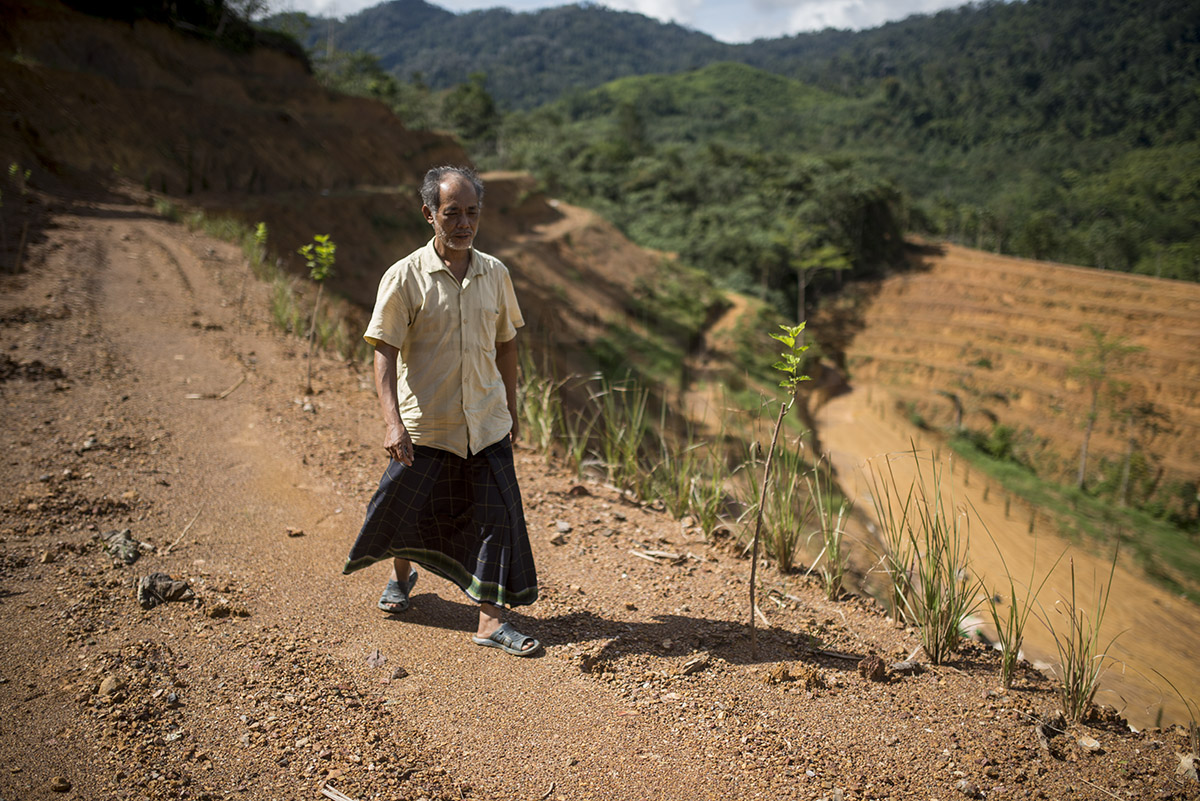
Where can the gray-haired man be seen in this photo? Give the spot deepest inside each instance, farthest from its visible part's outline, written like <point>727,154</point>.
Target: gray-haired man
<point>444,331</point>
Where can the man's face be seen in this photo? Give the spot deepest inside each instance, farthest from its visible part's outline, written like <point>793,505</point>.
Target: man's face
<point>456,221</point>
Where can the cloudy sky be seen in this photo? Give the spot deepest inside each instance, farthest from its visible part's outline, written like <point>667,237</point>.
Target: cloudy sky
<point>724,19</point>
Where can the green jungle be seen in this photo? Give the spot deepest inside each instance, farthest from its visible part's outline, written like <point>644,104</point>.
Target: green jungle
<point>1063,130</point>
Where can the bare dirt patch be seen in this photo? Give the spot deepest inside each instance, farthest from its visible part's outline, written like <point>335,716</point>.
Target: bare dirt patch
<point>261,687</point>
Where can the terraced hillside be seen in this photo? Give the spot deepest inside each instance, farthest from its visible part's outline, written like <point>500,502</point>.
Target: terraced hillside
<point>994,341</point>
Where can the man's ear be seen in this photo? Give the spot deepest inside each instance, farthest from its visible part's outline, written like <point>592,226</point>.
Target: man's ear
<point>428,213</point>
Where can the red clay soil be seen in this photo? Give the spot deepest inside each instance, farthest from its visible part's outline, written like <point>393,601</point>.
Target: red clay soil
<point>143,388</point>
<point>145,395</point>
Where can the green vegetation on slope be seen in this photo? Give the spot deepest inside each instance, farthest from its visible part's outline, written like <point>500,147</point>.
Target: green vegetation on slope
<point>644,152</point>
<point>529,58</point>
<point>1162,541</point>
<point>1061,130</point>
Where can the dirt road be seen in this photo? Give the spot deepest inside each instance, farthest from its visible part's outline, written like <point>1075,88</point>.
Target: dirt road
<point>282,677</point>
<point>1154,630</point>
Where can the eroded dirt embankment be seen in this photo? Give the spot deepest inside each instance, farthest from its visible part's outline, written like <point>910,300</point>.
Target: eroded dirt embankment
<point>1157,633</point>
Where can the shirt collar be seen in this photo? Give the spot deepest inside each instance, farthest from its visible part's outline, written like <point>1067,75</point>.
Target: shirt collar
<point>431,262</point>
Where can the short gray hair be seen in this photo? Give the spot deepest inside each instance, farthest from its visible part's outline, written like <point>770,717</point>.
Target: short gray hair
<point>431,187</point>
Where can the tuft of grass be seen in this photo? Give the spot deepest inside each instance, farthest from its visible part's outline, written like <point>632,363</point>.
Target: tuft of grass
<point>1010,623</point>
<point>578,427</point>
<point>831,526</point>
<point>1080,656</point>
<point>788,508</point>
<point>894,516</point>
<point>709,494</point>
<point>624,408</point>
<point>285,311</point>
<point>670,476</point>
<point>539,405</point>
<point>167,210</point>
<point>927,538</point>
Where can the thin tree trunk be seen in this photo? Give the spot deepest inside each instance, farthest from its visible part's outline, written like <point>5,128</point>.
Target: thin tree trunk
<point>1087,436</point>
<point>1124,493</point>
<point>762,500</point>
<point>312,334</point>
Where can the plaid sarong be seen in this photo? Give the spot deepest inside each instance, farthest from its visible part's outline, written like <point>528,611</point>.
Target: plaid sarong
<point>459,518</point>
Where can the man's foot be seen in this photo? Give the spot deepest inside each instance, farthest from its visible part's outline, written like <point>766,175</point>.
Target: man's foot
<point>510,640</point>
<point>395,595</point>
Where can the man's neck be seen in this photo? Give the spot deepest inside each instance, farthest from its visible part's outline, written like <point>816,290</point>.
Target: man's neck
<point>456,261</point>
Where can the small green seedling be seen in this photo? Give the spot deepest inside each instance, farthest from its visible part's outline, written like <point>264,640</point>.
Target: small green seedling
<point>790,364</point>
<point>20,176</point>
<point>319,257</point>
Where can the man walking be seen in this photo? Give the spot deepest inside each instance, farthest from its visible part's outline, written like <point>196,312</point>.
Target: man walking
<point>444,331</point>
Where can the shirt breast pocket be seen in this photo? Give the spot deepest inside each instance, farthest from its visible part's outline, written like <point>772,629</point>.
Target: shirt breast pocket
<point>489,316</point>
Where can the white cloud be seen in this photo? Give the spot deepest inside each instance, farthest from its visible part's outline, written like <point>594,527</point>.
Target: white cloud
<point>683,12</point>
<point>727,20</point>
<point>321,8</point>
<point>815,15</point>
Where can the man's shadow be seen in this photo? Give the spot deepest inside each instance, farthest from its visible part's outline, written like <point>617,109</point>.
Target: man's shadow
<point>602,640</point>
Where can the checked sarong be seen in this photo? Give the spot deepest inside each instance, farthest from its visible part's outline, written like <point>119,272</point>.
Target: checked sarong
<point>461,519</point>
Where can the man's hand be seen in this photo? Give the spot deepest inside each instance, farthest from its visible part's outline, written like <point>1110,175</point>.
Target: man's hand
<point>506,362</point>
<point>398,445</point>
<point>396,441</point>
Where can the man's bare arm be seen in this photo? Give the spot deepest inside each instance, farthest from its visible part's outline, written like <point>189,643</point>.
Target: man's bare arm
<point>506,361</point>
<point>396,441</point>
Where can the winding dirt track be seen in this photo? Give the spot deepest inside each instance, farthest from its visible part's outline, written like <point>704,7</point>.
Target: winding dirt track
<point>1154,630</point>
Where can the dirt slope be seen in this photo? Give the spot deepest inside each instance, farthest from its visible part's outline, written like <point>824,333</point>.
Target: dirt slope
<point>261,688</point>
<point>1002,335</point>
<point>1159,633</point>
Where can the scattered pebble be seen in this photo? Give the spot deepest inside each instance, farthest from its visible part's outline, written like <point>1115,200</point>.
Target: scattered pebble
<point>111,686</point>
<point>872,668</point>
<point>968,788</point>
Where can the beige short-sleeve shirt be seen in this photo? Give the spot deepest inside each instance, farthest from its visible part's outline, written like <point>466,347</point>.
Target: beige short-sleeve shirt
<point>450,390</point>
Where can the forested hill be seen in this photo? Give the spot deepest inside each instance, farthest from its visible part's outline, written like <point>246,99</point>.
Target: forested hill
<point>1055,129</point>
<point>1092,65</point>
<point>529,58</point>
<point>1083,69</point>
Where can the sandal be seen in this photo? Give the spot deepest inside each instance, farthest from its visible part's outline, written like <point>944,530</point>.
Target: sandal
<point>395,595</point>
<point>510,640</point>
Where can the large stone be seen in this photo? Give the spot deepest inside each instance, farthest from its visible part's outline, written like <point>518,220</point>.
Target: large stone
<point>111,686</point>
<point>872,668</point>
<point>159,588</point>
<point>695,664</point>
